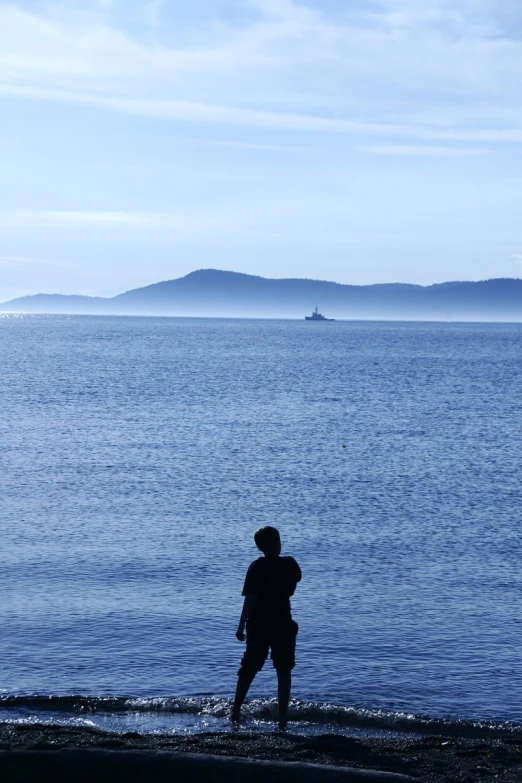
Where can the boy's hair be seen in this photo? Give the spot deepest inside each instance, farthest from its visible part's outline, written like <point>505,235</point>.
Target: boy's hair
<point>267,538</point>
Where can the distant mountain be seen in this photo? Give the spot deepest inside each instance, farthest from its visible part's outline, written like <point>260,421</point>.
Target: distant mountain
<point>57,303</point>
<point>211,292</point>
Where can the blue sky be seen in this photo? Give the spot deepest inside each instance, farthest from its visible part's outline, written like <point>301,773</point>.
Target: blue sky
<point>365,141</point>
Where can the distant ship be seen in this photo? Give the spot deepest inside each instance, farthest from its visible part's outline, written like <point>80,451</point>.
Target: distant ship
<point>316,316</point>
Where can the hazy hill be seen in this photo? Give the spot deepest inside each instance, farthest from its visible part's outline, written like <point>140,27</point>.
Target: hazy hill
<point>210,292</point>
<point>57,303</point>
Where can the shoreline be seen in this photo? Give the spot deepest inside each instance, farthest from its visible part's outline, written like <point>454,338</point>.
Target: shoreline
<point>141,766</point>
<point>431,759</point>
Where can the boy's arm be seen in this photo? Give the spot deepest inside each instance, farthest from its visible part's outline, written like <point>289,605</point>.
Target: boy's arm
<point>248,605</point>
<point>294,570</point>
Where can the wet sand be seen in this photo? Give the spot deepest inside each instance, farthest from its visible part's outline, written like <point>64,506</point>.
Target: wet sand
<point>430,759</point>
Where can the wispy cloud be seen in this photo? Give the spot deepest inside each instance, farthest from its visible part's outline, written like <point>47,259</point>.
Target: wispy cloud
<point>185,111</point>
<point>179,223</point>
<point>21,262</point>
<point>429,151</point>
<point>54,218</point>
<point>517,258</point>
<point>365,70</point>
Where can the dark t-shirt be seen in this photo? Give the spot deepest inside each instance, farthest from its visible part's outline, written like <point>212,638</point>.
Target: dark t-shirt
<point>273,580</point>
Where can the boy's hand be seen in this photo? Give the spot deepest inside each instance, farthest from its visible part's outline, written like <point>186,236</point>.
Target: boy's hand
<point>248,605</point>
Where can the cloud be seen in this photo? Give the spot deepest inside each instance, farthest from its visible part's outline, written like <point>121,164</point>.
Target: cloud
<point>15,262</point>
<point>154,10</point>
<point>517,258</point>
<point>429,151</point>
<point>254,145</point>
<point>428,71</point>
<point>54,218</point>
<point>186,111</point>
<point>180,223</point>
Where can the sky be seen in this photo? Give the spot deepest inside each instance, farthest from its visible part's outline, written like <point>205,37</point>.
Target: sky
<point>360,141</point>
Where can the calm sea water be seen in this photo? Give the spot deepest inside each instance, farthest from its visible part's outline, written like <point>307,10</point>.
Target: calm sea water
<point>139,455</point>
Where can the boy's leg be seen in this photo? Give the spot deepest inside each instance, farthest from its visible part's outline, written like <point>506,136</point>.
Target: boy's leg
<point>283,641</point>
<point>253,660</point>
<point>243,684</point>
<point>284,685</point>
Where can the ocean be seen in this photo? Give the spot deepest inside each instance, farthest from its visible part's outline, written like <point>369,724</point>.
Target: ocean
<point>138,457</point>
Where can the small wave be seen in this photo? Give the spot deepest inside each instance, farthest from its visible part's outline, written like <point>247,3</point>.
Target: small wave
<point>262,709</point>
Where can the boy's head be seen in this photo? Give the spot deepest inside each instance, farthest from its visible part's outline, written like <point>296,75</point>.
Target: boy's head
<point>268,540</point>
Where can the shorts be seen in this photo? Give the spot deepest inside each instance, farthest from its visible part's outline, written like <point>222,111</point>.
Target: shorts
<point>280,639</point>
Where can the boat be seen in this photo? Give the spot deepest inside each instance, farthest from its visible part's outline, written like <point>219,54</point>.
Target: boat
<point>317,316</point>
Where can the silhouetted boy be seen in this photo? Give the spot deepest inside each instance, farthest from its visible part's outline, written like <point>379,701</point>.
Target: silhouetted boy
<point>269,583</point>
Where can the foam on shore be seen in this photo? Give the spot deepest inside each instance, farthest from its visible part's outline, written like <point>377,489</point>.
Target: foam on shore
<point>211,713</point>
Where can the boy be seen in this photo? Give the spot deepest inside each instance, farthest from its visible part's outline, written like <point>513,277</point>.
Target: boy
<point>269,583</point>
